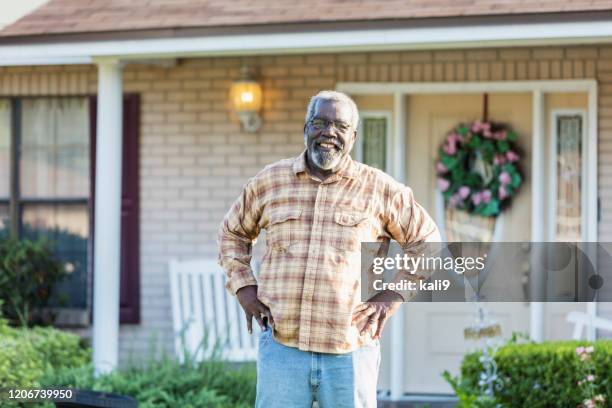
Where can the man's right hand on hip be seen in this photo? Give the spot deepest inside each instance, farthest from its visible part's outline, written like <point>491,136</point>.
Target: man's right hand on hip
<point>252,306</point>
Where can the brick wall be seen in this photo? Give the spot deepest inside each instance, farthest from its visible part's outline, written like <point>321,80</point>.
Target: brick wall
<point>194,158</point>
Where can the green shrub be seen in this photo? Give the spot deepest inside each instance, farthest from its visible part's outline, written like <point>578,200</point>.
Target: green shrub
<point>540,375</point>
<point>25,354</point>
<point>28,273</point>
<point>167,383</point>
<point>44,357</point>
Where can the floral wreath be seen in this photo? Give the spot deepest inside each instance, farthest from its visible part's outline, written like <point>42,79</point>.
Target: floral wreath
<point>478,168</point>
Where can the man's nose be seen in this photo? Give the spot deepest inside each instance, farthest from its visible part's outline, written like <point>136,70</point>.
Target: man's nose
<point>330,132</point>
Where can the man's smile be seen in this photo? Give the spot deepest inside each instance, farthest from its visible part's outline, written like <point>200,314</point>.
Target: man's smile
<point>328,145</point>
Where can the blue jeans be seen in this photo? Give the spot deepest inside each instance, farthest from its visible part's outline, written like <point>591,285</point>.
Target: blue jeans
<point>291,378</point>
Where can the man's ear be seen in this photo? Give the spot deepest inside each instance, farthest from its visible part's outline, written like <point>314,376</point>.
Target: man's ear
<point>352,140</point>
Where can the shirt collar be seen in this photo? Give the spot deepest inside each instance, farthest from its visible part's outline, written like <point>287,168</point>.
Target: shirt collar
<point>347,167</point>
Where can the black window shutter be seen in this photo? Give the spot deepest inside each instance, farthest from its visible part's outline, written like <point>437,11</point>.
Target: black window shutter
<point>130,234</point>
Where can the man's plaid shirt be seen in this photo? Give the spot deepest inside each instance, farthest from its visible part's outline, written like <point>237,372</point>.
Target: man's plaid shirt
<point>310,273</point>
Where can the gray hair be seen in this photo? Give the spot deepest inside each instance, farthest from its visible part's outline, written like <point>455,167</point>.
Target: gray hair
<point>333,96</point>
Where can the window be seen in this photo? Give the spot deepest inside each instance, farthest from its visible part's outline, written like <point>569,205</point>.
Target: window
<point>53,195</point>
<point>50,192</point>
<point>567,195</point>
<point>372,145</point>
<point>568,131</point>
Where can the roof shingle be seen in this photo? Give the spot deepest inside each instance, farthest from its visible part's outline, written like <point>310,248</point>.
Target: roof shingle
<point>94,16</point>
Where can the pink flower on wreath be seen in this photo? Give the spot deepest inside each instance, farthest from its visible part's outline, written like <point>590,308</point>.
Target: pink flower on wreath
<point>590,378</point>
<point>464,192</point>
<point>512,156</point>
<point>450,148</point>
<point>486,196</point>
<point>476,126</point>
<point>453,137</point>
<point>441,168</point>
<point>579,350</point>
<point>502,193</point>
<point>443,184</point>
<point>499,159</point>
<point>501,135</point>
<point>477,198</point>
<point>486,130</point>
<point>505,178</point>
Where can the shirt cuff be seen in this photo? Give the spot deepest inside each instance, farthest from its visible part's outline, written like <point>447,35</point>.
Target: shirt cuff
<point>400,293</point>
<point>239,279</point>
<point>406,295</point>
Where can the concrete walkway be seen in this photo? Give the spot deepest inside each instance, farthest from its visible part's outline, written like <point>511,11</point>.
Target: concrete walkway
<point>409,404</point>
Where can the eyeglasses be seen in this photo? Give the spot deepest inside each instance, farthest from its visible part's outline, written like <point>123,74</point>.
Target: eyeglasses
<point>321,124</point>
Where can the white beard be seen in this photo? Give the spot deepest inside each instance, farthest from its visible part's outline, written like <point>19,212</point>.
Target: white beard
<point>323,160</point>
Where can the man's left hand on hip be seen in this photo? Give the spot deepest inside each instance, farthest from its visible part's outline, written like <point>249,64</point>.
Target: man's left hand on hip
<point>375,312</point>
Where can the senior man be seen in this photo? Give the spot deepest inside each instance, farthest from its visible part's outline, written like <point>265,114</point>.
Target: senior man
<point>319,341</point>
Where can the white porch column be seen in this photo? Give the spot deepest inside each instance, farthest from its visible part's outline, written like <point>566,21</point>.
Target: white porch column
<point>397,322</point>
<point>107,235</point>
<point>538,209</point>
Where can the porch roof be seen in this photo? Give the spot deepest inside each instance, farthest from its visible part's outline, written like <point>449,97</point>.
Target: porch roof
<point>83,32</point>
<point>99,16</point>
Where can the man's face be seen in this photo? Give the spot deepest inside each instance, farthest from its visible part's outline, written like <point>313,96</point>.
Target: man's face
<point>329,135</point>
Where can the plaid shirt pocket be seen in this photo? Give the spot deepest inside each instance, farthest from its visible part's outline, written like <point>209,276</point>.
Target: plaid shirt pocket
<point>283,228</point>
<point>349,230</point>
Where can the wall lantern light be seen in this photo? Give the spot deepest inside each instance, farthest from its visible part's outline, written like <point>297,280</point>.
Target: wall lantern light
<point>245,95</point>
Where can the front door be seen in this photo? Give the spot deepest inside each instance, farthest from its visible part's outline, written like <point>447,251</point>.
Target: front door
<point>434,331</point>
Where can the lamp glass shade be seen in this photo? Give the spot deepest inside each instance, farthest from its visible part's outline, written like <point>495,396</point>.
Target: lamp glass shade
<point>246,96</point>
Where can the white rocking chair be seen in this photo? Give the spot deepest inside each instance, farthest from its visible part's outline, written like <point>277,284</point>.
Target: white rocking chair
<point>207,320</point>
<point>582,320</point>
